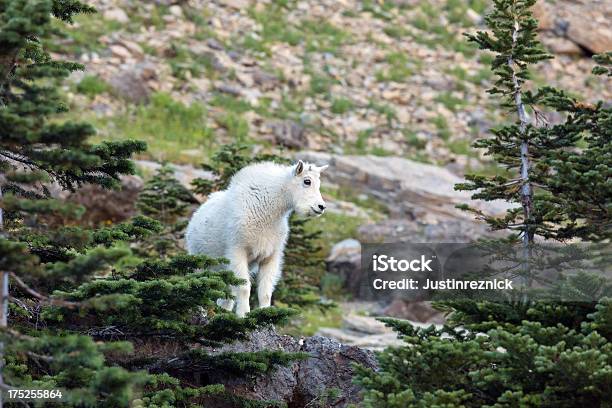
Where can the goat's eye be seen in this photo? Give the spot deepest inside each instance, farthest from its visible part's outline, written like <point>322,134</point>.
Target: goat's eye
<point>307,182</point>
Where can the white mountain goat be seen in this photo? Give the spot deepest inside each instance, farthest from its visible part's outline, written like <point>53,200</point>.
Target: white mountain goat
<point>248,223</point>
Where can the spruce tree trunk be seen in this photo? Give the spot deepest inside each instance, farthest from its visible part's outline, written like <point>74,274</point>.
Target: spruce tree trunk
<point>526,191</point>
<point>4,294</point>
<point>7,64</point>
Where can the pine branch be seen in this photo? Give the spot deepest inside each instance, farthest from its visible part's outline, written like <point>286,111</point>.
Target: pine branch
<point>44,299</point>
<point>16,334</point>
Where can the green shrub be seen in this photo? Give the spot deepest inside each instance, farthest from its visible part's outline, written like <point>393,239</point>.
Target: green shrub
<point>384,109</point>
<point>320,84</point>
<point>361,144</point>
<point>230,103</point>
<point>441,124</point>
<point>237,127</point>
<point>168,126</point>
<point>92,85</point>
<point>322,36</point>
<point>341,106</point>
<point>413,140</point>
<point>275,28</point>
<point>450,101</point>
<point>399,69</point>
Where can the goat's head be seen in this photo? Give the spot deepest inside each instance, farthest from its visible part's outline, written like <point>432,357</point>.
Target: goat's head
<point>304,187</point>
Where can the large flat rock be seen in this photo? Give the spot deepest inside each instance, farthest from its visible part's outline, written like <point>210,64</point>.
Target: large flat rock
<point>585,23</point>
<point>410,189</point>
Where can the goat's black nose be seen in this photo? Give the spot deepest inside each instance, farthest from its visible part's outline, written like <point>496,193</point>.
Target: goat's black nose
<point>321,207</point>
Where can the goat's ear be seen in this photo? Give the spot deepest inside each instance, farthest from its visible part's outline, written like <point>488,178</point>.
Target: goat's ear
<point>299,168</point>
<point>322,168</point>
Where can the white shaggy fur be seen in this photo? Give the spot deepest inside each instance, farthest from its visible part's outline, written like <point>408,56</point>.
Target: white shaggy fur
<point>248,224</point>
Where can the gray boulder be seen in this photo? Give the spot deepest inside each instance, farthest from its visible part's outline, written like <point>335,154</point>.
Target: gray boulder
<point>344,261</point>
<point>586,24</point>
<point>289,133</point>
<point>411,190</point>
<point>131,82</point>
<point>299,385</point>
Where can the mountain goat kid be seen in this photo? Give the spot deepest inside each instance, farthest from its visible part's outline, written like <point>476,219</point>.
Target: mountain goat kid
<point>248,223</point>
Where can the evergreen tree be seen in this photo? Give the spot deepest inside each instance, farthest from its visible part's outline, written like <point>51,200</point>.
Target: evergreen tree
<point>81,311</point>
<point>36,150</point>
<point>518,145</point>
<point>579,179</point>
<point>521,352</point>
<point>302,267</point>
<point>166,200</point>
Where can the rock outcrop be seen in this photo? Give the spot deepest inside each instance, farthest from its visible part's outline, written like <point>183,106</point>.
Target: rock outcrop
<point>362,331</point>
<point>344,261</point>
<point>570,26</point>
<point>414,191</point>
<point>299,385</point>
<point>131,82</point>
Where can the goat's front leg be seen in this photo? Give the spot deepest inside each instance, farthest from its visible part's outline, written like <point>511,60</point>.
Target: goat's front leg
<point>239,265</point>
<point>268,276</point>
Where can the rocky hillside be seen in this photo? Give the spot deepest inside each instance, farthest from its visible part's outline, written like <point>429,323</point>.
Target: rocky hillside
<point>348,77</point>
<point>341,82</point>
